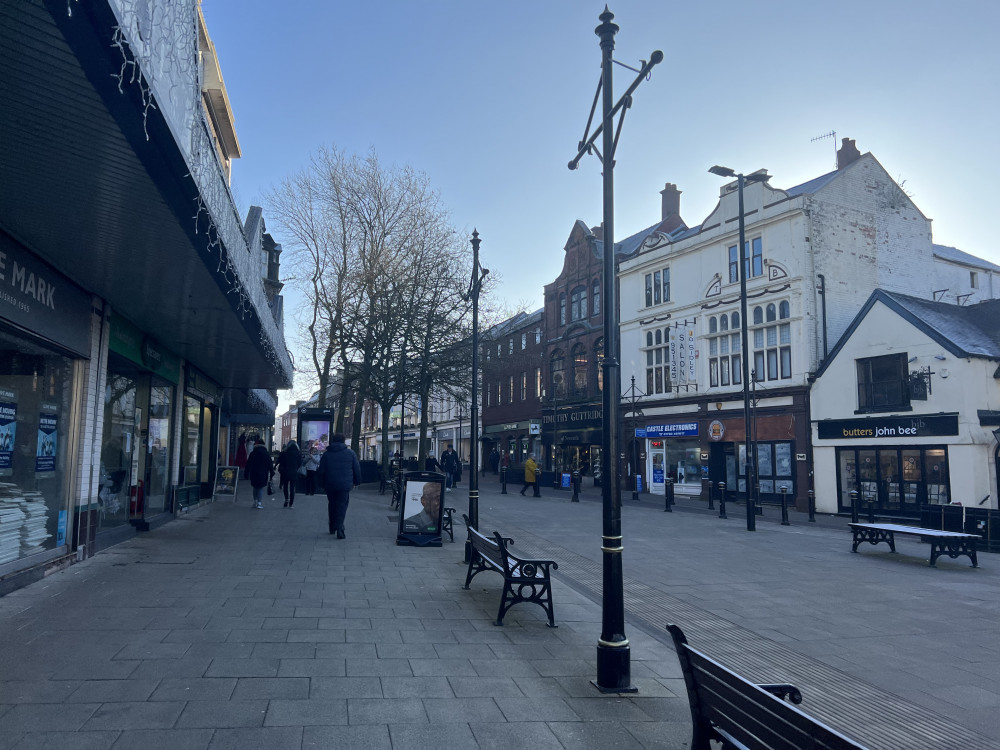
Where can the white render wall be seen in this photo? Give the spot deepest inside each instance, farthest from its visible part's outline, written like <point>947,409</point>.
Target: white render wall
<point>860,231</point>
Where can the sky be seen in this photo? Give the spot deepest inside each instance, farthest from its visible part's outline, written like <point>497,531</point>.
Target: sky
<point>490,100</point>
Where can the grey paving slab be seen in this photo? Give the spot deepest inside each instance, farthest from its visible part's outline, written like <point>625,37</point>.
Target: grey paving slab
<point>37,691</point>
<point>262,738</point>
<point>364,737</point>
<point>69,740</point>
<point>135,715</point>
<point>385,711</point>
<point>326,688</point>
<point>42,717</point>
<point>111,691</point>
<point>271,688</point>
<point>230,713</point>
<point>497,735</point>
<point>164,739</point>
<point>304,713</point>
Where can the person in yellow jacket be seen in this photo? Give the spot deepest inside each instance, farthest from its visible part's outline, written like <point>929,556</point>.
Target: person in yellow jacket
<point>531,472</point>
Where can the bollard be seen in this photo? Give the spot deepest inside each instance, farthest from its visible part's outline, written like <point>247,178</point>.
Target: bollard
<point>503,480</point>
<point>576,486</point>
<point>668,495</point>
<point>758,505</point>
<point>812,506</point>
<point>722,500</point>
<point>854,506</point>
<point>784,506</point>
<point>711,490</point>
<point>871,509</point>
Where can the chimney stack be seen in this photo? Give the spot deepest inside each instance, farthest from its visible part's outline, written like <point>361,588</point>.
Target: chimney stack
<point>848,153</point>
<point>671,201</point>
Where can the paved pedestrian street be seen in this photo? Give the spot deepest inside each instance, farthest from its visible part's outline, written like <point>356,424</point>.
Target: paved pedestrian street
<point>232,627</point>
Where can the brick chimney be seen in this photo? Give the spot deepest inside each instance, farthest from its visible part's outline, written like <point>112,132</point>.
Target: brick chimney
<point>671,201</point>
<point>848,153</point>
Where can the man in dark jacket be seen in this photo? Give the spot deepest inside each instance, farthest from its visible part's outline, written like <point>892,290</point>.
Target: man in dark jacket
<point>259,471</point>
<point>339,472</point>
<point>449,465</point>
<point>288,463</point>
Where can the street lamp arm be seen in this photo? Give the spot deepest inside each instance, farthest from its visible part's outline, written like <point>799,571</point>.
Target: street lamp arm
<point>587,144</point>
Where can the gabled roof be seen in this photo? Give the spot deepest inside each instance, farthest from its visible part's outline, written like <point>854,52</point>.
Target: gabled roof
<point>955,255</point>
<point>628,245</point>
<point>963,330</point>
<point>813,185</point>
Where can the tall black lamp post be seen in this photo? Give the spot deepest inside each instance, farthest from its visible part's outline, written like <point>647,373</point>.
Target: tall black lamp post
<point>750,471</point>
<point>475,287</point>
<point>633,395</point>
<point>614,670</point>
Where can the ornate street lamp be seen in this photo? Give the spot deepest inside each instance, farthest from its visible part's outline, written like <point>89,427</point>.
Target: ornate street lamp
<point>475,287</point>
<point>614,671</point>
<point>750,470</point>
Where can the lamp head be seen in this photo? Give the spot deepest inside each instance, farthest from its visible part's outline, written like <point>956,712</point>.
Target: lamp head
<point>722,171</point>
<point>757,177</point>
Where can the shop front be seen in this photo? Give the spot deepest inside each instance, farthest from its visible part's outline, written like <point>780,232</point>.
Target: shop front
<point>572,438</point>
<point>199,449</point>
<point>136,442</point>
<point>45,340</point>
<point>515,441</point>
<point>673,451</point>
<point>895,463</point>
<point>774,440</point>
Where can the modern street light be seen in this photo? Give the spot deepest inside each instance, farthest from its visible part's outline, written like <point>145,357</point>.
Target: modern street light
<point>750,470</point>
<point>614,670</point>
<point>475,287</point>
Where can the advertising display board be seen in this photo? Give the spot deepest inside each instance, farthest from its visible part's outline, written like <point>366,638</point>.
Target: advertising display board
<point>421,509</point>
<point>226,478</point>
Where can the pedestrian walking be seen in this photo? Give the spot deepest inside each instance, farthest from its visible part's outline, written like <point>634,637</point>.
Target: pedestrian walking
<point>458,471</point>
<point>311,463</point>
<point>431,463</point>
<point>531,476</point>
<point>449,465</point>
<point>259,470</point>
<point>495,460</point>
<point>288,463</point>
<point>241,454</point>
<point>339,472</point>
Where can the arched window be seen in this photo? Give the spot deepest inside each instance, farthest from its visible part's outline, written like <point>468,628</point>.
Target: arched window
<point>557,366</point>
<point>562,308</point>
<point>723,322</point>
<point>579,370</point>
<point>649,338</point>
<point>735,318</point>
<point>713,325</point>
<point>659,337</point>
<point>758,315</point>
<point>599,363</point>
<point>578,303</point>
<point>772,313</point>
<point>596,296</point>
<point>783,310</point>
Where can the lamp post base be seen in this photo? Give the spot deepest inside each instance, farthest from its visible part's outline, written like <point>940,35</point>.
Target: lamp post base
<point>614,670</point>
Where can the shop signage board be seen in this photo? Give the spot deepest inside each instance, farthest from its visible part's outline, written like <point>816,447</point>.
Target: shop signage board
<point>675,429</point>
<point>888,428</point>
<point>8,430</point>
<point>421,509</point>
<point>36,297</point>
<point>226,479</point>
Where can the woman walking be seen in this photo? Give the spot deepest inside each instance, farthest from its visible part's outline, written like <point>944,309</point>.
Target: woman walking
<point>288,463</point>
<point>311,463</point>
<point>259,470</point>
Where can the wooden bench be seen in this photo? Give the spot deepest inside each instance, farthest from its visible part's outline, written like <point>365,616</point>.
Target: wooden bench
<point>734,711</point>
<point>523,580</point>
<point>950,543</point>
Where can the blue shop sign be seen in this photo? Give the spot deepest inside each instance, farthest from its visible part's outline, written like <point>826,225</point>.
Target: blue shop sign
<point>677,429</point>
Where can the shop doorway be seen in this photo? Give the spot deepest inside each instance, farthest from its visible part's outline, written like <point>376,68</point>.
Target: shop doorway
<point>896,480</point>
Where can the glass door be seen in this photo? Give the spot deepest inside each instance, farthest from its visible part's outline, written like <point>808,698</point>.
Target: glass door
<point>847,461</point>
<point>158,448</point>
<point>889,496</point>
<point>658,465</point>
<point>117,449</point>
<point>912,478</point>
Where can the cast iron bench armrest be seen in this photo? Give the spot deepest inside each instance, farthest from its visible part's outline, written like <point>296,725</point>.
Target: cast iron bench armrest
<point>730,709</point>
<point>524,579</point>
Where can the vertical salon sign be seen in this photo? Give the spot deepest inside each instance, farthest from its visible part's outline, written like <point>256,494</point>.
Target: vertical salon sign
<point>8,430</point>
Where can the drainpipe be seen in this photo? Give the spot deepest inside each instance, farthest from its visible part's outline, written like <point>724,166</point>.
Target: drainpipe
<point>822,293</point>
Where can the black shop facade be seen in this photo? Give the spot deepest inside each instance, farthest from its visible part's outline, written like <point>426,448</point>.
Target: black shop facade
<point>571,439</point>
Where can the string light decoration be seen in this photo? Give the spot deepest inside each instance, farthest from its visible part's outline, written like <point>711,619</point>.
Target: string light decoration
<point>158,41</point>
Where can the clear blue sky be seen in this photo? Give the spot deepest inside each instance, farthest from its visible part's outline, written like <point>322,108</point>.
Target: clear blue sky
<point>491,98</point>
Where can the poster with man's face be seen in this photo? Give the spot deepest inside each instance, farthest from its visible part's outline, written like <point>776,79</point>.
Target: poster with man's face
<point>421,512</point>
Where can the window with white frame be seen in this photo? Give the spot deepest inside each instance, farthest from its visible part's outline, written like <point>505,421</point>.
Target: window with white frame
<point>538,335</point>
<point>658,360</point>
<point>578,303</point>
<point>753,257</point>
<point>510,390</point>
<point>595,295</point>
<point>724,363</point>
<point>772,341</point>
<point>538,382</point>
<point>524,386</point>
<point>657,287</point>
<point>524,341</point>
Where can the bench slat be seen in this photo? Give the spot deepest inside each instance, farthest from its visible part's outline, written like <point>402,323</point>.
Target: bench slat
<point>753,715</point>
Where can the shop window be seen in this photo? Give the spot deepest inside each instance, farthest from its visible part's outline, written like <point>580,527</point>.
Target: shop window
<point>882,383</point>
<point>657,351</point>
